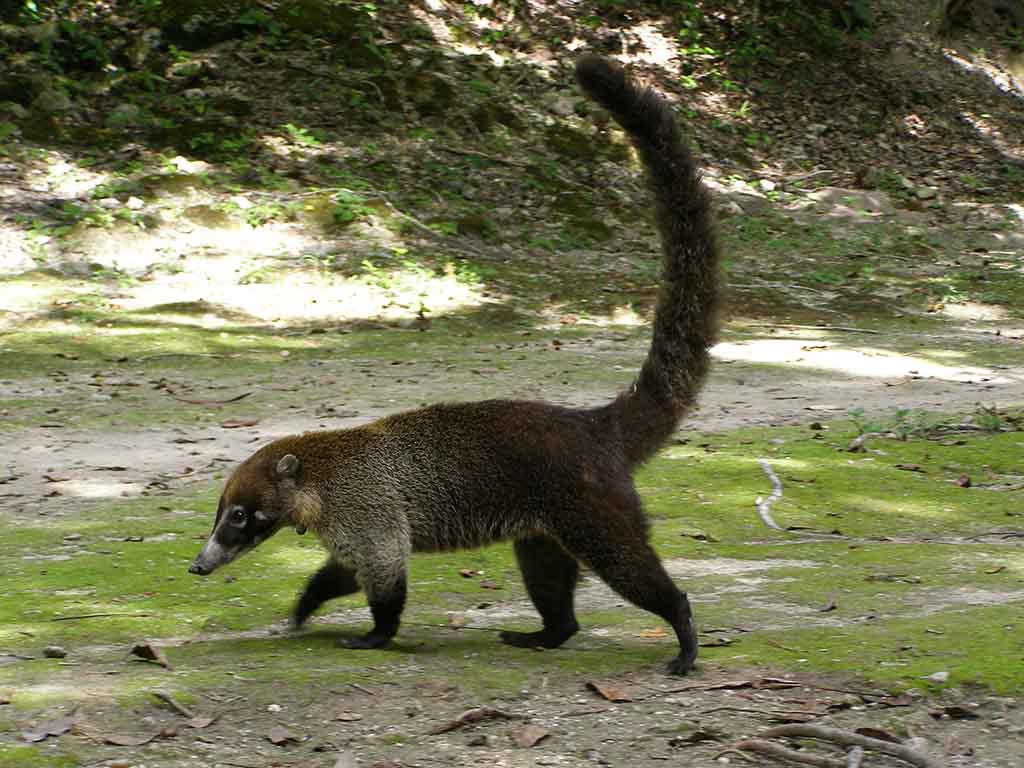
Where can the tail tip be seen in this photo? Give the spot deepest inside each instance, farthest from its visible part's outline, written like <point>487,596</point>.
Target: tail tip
<point>599,75</point>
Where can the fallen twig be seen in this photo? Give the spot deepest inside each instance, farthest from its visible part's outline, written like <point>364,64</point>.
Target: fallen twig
<point>102,616</point>
<point>177,706</point>
<point>777,713</point>
<point>474,716</point>
<point>804,176</point>
<point>158,355</point>
<point>484,155</point>
<point>734,751</point>
<point>842,328</point>
<point>764,505</point>
<point>850,739</point>
<point>783,753</point>
<point>190,401</point>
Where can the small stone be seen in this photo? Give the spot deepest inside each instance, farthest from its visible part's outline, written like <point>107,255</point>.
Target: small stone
<point>54,652</point>
<point>135,204</point>
<point>926,193</point>
<point>273,708</point>
<point>73,537</point>
<point>242,202</point>
<point>766,185</point>
<point>108,203</point>
<point>937,677</point>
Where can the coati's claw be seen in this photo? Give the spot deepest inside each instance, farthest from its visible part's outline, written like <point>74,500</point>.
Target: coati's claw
<point>365,642</point>
<point>679,666</point>
<point>545,638</point>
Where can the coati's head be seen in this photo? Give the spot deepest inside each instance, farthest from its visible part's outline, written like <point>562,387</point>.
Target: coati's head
<point>260,498</point>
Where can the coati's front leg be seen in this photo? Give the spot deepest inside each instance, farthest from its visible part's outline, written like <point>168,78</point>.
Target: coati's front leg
<point>386,604</point>
<point>331,581</point>
<point>550,575</point>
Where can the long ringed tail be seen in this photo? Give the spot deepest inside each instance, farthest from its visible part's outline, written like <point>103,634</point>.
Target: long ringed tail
<point>685,318</point>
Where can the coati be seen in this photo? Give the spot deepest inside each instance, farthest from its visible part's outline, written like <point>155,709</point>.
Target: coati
<point>555,480</point>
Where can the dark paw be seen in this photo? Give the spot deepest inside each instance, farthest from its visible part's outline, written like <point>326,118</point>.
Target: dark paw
<point>363,642</point>
<point>545,638</point>
<point>680,665</point>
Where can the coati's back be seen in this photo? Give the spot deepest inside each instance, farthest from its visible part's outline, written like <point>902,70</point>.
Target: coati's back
<point>465,474</point>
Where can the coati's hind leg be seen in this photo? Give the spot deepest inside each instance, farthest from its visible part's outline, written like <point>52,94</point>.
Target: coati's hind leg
<point>615,545</point>
<point>332,580</point>
<point>550,574</point>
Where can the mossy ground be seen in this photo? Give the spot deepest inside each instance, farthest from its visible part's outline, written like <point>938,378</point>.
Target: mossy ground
<point>513,258</point>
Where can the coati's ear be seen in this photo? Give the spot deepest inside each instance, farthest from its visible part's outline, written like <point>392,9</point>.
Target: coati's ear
<point>287,466</point>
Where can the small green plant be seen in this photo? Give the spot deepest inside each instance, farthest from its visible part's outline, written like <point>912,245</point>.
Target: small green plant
<point>349,208</point>
<point>260,214</point>
<point>302,136</point>
<point>450,228</point>
<point>263,274</point>
<point>989,419</point>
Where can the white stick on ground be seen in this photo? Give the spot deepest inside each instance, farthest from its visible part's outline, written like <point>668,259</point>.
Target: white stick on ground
<point>764,505</point>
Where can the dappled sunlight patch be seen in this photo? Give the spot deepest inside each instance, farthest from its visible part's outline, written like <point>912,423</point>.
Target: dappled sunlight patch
<point>973,310</point>
<point>269,293</point>
<point>28,293</point>
<point>865,362</point>
<point>98,489</point>
<point>67,179</point>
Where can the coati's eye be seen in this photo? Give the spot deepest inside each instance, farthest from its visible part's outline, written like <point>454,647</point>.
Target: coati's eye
<point>238,515</point>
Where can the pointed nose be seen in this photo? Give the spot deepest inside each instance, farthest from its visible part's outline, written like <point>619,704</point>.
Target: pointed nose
<point>197,569</point>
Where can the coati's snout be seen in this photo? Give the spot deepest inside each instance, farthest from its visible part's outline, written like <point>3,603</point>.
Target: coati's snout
<point>251,510</point>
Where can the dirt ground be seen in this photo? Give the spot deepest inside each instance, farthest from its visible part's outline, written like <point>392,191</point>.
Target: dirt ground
<point>885,288</point>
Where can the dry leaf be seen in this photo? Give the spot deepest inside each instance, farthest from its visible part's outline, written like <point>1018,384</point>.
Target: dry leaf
<point>701,536</point>
<point>996,569</point>
<point>150,652</point>
<point>608,692</point>
<point>955,713</point>
<point>467,573</point>
<point>529,736</point>
<point>457,620</point>
<point>237,423</point>
<point>716,642</point>
<point>488,584</point>
<point>122,740</point>
<point>202,722</point>
<point>656,632</point>
<point>49,728</point>
<point>764,683</point>
<point>910,467</point>
<point>348,717</point>
<point>694,738</point>
<point>830,604</point>
<point>280,736</point>
<point>963,481</point>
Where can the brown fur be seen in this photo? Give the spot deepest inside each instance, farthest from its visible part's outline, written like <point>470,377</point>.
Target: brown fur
<point>555,480</point>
